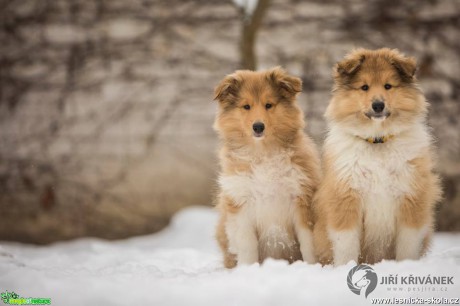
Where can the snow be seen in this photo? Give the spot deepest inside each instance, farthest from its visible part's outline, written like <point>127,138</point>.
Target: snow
<point>182,266</point>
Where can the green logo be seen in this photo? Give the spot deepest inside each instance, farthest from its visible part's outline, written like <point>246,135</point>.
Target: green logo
<point>12,298</point>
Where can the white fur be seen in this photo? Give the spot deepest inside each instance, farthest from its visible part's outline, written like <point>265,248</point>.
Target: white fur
<point>242,239</point>
<point>409,242</point>
<point>267,199</point>
<point>305,237</point>
<point>380,173</point>
<point>345,245</point>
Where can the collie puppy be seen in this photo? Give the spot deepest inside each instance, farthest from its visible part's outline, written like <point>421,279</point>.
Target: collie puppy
<point>377,198</point>
<point>269,169</point>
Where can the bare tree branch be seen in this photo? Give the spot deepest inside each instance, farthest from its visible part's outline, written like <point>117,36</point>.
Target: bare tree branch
<point>249,34</point>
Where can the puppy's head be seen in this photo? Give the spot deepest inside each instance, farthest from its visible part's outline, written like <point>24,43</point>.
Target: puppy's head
<point>258,107</point>
<point>377,89</point>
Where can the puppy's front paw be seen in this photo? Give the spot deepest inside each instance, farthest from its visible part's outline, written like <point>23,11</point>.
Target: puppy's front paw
<point>345,245</point>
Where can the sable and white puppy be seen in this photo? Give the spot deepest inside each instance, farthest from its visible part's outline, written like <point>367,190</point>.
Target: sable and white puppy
<point>269,169</point>
<point>377,198</point>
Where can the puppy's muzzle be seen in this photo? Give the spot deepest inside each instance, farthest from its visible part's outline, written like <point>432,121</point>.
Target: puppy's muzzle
<point>379,110</point>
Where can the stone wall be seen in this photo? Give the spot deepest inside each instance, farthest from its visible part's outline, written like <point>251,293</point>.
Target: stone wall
<point>106,107</point>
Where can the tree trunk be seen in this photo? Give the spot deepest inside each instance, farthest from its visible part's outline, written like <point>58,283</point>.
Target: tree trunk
<point>251,24</point>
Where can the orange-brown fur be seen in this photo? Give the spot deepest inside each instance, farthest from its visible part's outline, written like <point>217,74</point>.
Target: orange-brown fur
<point>240,152</point>
<point>338,204</point>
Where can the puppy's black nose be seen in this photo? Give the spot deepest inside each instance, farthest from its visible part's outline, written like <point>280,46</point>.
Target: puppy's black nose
<point>378,106</point>
<point>258,127</point>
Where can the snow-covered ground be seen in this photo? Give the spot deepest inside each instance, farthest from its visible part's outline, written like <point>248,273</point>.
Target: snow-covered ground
<point>181,266</point>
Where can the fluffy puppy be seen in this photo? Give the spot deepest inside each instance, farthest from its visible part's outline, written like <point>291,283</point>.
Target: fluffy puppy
<point>379,190</point>
<point>269,169</point>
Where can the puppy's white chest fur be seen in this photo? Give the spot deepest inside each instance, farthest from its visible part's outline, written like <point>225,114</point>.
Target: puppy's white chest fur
<point>267,197</point>
<point>382,175</point>
<point>270,188</point>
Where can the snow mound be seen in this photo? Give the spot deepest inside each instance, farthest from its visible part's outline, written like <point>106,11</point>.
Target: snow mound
<point>181,265</point>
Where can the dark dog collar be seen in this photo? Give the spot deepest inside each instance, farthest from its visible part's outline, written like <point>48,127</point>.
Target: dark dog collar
<point>382,139</point>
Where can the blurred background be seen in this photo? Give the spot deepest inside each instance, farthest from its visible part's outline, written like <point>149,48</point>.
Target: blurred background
<point>106,106</point>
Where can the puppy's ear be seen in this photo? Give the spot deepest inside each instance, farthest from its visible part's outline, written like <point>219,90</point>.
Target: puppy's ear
<point>350,64</point>
<point>287,86</point>
<point>406,66</point>
<point>227,90</point>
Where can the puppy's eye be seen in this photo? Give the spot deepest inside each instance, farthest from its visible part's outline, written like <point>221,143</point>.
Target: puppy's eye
<point>365,87</point>
<point>247,106</point>
<point>387,86</point>
<point>268,105</point>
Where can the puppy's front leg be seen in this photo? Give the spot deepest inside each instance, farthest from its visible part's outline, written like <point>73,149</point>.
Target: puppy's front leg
<point>242,238</point>
<point>414,226</point>
<point>303,227</point>
<point>415,217</point>
<point>345,245</point>
<point>345,226</point>
<point>409,242</point>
